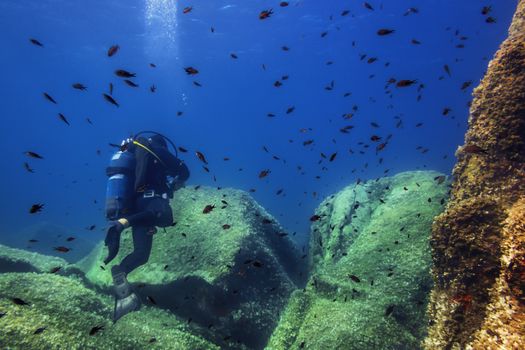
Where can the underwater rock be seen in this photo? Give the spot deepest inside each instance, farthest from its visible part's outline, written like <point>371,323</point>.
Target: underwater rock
<point>18,260</point>
<point>230,270</point>
<point>478,243</point>
<point>45,311</point>
<point>370,267</point>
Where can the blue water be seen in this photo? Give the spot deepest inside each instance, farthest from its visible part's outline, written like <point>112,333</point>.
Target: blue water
<point>227,116</point>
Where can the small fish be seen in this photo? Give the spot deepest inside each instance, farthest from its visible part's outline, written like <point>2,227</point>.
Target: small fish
<point>234,56</point>
<point>19,301</point>
<point>130,83</point>
<point>368,6</point>
<point>490,20</point>
<point>196,83</point>
<point>111,88</point>
<point>179,113</point>
<point>283,3</point>
<point>226,227</point>
<point>264,14</point>
<point>385,31</point>
<point>447,69</point>
<point>33,241</point>
<point>475,149</point>
<point>151,300</point>
<point>466,84</point>
<point>35,208</point>
<point>49,98</point>
<point>257,263</point>
<point>486,10</point>
<point>36,42</point>
<point>290,110</point>
<point>28,168</point>
<point>191,71</point>
<point>62,249</point>
<point>354,278</point>
<point>345,13</point>
<point>201,157</point>
<point>208,208</point>
<point>332,157</point>
<point>33,155</point>
<point>410,11</point>
<point>113,50</point>
<point>314,218</point>
<point>39,330</point>
<point>182,149</point>
<point>124,73</point>
<point>69,239</point>
<point>308,142</point>
<point>110,99</point>
<point>63,118</point>
<point>415,42</point>
<point>153,65</point>
<point>152,88</point>
<point>285,48</point>
<point>277,83</point>
<point>375,138</point>
<point>79,86</point>
<point>264,173</point>
<point>440,179</point>
<point>95,330</point>
<point>55,269</point>
<point>187,9</point>
<point>212,29</point>
<point>405,83</point>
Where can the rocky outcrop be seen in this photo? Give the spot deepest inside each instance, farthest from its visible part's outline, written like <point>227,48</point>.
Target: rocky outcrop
<point>370,267</point>
<point>478,243</point>
<point>229,271</point>
<point>47,311</point>
<point>18,260</point>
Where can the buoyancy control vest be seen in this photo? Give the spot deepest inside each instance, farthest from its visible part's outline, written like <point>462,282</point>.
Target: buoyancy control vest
<point>119,191</point>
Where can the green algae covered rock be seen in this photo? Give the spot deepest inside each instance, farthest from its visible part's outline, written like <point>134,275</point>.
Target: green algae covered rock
<point>62,314</point>
<point>231,270</point>
<point>370,268</point>
<point>19,260</point>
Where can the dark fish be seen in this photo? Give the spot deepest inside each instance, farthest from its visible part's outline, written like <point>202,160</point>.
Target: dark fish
<point>446,111</point>
<point>39,330</point>
<point>368,6</point>
<point>201,157</point>
<point>196,83</point>
<point>151,300</point>
<point>308,142</point>
<point>69,239</point>
<point>283,4</point>
<point>152,88</point>
<point>415,42</point>
<point>332,157</point>
<point>36,42</point>
<point>226,227</point>
<point>110,100</point>
<point>95,330</point>
<point>182,149</point>
<point>234,56</point>
<point>179,113</point>
<point>354,278</point>
<point>385,31</point>
<point>79,86</point>
<point>381,146</point>
<point>212,29</point>
<point>264,14</point>
<point>375,138</point>
<point>486,10</point>
<point>346,129</point>
<point>290,110</point>
<point>55,269</point>
<point>62,249</point>
<point>33,241</point>
<point>490,19</point>
<point>191,71</point>
<point>264,173</point>
<point>410,11</point>
<point>257,263</point>
<point>153,65</point>
<point>277,83</point>
<point>28,168</point>
<point>440,179</point>
<point>447,69</point>
<point>208,208</point>
<point>35,208</point>
<point>466,84</point>
<point>345,12</point>
<point>187,9</point>
<point>475,149</point>
<point>63,118</point>
<point>285,48</point>
<point>124,73</point>
<point>130,83</point>
<point>49,98</point>
<point>111,88</point>
<point>19,301</point>
<point>374,125</point>
<point>405,83</point>
<point>33,155</point>
<point>314,218</point>
<point>113,50</point>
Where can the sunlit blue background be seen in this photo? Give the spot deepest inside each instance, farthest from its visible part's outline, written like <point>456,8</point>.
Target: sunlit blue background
<point>227,116</point>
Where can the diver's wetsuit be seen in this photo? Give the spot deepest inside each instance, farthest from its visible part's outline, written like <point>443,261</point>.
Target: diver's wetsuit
<point>151,205</point>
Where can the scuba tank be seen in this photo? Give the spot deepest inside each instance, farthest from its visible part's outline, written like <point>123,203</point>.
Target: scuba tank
<point>119,191</point>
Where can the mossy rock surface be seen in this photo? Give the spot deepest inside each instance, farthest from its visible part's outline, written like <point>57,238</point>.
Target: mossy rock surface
<point>370,268</point>
<point>236,278</point>
<point>61,313</point>
<point>19,260</point>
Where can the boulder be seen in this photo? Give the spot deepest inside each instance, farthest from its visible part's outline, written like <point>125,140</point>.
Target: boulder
<point>47,311</point>
<point>370,267</point>
<point>230,270</point>
<point>19,260</point>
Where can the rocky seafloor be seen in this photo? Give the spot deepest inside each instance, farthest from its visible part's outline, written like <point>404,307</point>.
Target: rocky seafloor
<point>245,285</point>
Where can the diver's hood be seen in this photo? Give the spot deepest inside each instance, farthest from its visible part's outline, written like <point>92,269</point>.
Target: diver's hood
<point>158,141</point>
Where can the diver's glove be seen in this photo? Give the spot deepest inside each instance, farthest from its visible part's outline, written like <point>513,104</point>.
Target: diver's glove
<point>112,240</point>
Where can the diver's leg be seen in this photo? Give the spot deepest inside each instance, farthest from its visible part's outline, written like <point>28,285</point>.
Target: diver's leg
<point>142,241</point>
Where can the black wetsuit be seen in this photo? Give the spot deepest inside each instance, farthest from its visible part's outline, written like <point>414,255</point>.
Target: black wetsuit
<point>152,206</point>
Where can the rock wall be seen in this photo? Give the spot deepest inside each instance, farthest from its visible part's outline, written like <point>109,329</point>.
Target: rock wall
<point>478,301</point>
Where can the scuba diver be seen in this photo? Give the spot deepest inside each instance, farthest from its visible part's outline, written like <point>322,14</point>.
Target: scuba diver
<point>143,175</point>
